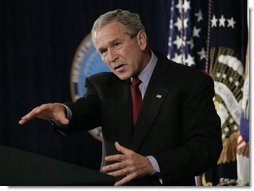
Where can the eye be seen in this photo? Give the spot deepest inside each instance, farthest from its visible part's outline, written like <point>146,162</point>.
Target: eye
<point>116,44</point>
<point>103,51</point>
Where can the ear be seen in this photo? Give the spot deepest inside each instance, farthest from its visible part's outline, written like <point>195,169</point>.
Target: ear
<point>142,39</point>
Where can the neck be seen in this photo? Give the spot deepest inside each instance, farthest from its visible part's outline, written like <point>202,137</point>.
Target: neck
<point>146,59</point>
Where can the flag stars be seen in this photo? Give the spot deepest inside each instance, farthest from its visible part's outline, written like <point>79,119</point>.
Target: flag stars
<point>231,79</point>
<point>179,6</point>
<point>214,21</point>
<point>178,58</point>
<point>191,43</point>
<point>186,5</point>
<point>231,22</point>
<point>224,76</point>
<point>196,31</point>
<point>199,15</point>
<point>179,24</point>
<point>202,54</point>
<point>184,38</point>
<point>178,42</point>
<point>237,83</point>
<point>218,75</point>
<point>185,22</point>
<point>190,60</point>
<point>222,21</point>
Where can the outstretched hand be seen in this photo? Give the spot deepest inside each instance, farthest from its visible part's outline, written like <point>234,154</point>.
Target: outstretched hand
<point>129,165</point>
<point>47,112</point>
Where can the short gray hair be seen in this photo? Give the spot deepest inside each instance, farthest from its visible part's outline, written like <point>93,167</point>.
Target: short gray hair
<point>131,21</point>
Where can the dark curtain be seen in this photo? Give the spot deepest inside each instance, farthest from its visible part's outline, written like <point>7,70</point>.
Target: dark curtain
<point>38,39</point>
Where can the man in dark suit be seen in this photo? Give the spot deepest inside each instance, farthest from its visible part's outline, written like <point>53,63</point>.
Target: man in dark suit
<point>175,134</point>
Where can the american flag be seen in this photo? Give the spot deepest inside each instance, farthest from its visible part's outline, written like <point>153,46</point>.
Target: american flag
<point>212,36</point>
<point>188,33</point>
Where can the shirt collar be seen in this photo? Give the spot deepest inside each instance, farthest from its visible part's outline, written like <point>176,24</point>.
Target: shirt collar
<point>146,74</point>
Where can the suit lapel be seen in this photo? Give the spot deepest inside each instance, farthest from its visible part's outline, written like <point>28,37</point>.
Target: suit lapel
<point>155,94</point>
<point>120,103</point>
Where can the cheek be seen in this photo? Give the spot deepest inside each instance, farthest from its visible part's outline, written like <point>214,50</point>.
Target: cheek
<point>107,63</point>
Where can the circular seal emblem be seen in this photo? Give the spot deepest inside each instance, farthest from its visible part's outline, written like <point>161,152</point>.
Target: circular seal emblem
<point>86,62</point>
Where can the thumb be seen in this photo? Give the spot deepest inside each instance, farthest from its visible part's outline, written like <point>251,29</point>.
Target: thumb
<point>59,113</point>
<point>62,119</point>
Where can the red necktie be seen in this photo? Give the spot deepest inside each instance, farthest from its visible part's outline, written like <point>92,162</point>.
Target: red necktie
<point>136,99</point>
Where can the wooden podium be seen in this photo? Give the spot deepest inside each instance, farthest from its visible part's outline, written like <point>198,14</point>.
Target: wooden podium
<point>20,168</point>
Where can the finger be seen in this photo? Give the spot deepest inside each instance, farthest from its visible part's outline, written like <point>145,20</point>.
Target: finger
<point>113,167</point>
<point>117,157</point>
<point>62,119</point>
<point>22,121</point>
<point>122,149</point>
<point>46,112</point>
<point>125,180</point>
<point>117,173</point>
<point>28,116</point>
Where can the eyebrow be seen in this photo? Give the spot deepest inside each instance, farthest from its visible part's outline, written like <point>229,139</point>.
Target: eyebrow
<point>114,41</point>
<point>110,43</point>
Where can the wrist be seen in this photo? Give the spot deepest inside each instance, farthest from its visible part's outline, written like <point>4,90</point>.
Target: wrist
<point>154,165</point>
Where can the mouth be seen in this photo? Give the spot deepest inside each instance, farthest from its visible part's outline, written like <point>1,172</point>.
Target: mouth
<point>119,68</point>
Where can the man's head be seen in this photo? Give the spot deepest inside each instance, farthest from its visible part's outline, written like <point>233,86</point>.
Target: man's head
<point>131,21</point>
<point>120,38</point>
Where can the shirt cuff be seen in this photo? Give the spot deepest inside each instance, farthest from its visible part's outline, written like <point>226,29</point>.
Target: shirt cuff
<point>154,164</point>
<point>68,111</point>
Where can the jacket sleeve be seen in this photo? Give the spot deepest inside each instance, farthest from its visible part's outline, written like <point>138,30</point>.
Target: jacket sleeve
<point>85,112</point>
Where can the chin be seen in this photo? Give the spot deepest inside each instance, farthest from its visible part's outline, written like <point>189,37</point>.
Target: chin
<point>123,76</point>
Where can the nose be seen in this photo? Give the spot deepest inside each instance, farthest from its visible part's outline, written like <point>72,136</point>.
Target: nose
<point>111,55</point>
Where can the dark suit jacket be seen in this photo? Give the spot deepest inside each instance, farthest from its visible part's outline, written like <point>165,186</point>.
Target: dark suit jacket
<point>181,129</point>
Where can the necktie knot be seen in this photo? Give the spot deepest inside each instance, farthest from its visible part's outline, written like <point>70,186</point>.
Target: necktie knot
<point>136,82</point>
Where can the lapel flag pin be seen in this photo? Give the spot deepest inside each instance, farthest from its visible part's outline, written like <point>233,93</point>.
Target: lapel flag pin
<point>158,96</point>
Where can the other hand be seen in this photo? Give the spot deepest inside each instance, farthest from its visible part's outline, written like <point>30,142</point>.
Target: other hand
<point>47,111</point>
<point>129,164</point>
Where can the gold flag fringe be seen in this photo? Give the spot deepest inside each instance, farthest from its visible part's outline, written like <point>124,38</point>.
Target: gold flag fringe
<point>228,153</point>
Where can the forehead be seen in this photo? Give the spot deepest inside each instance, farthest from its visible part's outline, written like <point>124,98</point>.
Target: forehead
<point>109,32</point>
